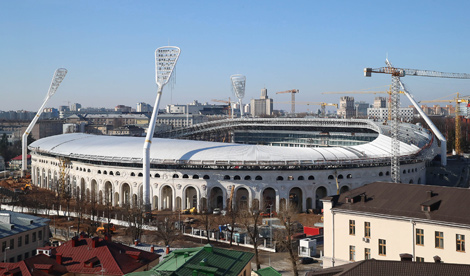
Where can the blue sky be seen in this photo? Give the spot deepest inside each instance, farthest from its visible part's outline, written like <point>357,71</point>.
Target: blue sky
<point>314,46</point>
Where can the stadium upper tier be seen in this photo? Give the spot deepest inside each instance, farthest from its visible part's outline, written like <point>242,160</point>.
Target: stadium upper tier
<point>116,149</point>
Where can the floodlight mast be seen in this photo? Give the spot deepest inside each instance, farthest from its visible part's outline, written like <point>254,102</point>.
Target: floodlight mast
<point>238,84</point>
<point>165,62</point>
<point>58,77</point>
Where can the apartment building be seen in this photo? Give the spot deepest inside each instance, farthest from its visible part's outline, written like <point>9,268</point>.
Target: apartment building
<point>382,220</point>
<point>21,235</point>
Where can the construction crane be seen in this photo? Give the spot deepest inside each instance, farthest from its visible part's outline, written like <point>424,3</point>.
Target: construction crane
<point>397,73</point>
<point>457,100</point>
<point>229,102</point>
<point>321,104</point>
<point>293,92</point>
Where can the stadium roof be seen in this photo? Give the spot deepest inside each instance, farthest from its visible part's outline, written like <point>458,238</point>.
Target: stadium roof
<point>129,150</point>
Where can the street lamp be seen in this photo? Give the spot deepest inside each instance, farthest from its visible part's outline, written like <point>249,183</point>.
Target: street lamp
<point>5,255</point>
<point>238,86</point>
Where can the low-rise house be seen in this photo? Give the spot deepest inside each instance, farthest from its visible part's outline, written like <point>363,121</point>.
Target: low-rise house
<point>95,256</point>
<point>37,265</point>
<point>383,220</point>
<point>207,260</point>
<point>21,235</point>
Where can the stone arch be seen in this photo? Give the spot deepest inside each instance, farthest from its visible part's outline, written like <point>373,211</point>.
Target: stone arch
<point>74,192</point>
<point>190,197</point>
<point>296,198</point>
<point>82,188</point>
<point>216,198</point>
<point>419,180</point>
<point>100,197</point>
<point>94,190</point>
<point>242,198</point>
<point>38,177</point>
<point>167,198</point>
<point>178,203</point>
<point>309,203</point>
<point>116,199</point>
<point>108,193</point>
<point>44,178</point>
<point>344,189</point>
<point>411,181</point>
<point>269,199</point>
<point>320,193</point>
<point>125,194</point>
<point>155,202</point>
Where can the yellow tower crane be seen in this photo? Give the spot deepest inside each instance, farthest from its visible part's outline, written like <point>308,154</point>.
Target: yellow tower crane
<point>229,102</point>
<point>292,102</point>
<point>457,101</point>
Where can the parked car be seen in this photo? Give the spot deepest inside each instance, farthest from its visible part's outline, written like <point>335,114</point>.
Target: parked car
<point>216,211</point>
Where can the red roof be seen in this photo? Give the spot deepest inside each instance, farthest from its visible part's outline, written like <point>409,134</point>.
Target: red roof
<point>20,157</point>
<point>36,265</point>
<point>113,257</point>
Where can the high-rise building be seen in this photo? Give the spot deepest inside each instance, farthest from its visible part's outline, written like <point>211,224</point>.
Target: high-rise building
<point>75,107</point>
<point>346,107</point>
<point>380,102</point>
<point>123,109</point>
<point>144,107</point>
<point>361,109</point>
<point>262,106</point>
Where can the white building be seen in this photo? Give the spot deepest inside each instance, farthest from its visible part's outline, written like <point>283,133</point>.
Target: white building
<point>404,113</point>
<point>382,220</point>
<point>346,107</point>
<point>261,106</point>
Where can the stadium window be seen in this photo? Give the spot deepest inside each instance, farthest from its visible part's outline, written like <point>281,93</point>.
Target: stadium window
<point>460,242</point>
<point>247,177</point>
<point>89,170</point>
<point>381,173</point>
<point>105,172</point>
<point>404,171</point>
<point>382,247</point>
<point>185,176</point>
<point>175,176</point>
<point>226,177</point>
<point>156,175</point>
<point>331,176</point>
<point>311,177</point>
<point>300,178</point>
<point>236,177</point>
<point>258,177</point>
<point>118,173</point>
<point>195,176</point>
<point>439,240</point>
<point>352,227</point>
<point>132,174</point>
<point>140,175</point>
<point>111,173</point>
<point>419,236</point>
<point>387,173</point>
<point>280,178</point>
<point>290,178</point>
<point>206,177</point>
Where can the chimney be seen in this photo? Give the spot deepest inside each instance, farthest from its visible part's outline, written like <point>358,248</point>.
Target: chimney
<point>167,249</point>
<point>82,235</point>
<point>152,249</point>
<point>363,198</point>
<point>94,242</point>
<point>107,237</point>
<point>437,259</point>
<point>428,194</point>
<point>58,258</point>
<point>74,241</point>
<point>405,257</point>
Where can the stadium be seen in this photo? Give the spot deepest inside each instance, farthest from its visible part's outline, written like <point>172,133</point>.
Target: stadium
<point>268,163</point>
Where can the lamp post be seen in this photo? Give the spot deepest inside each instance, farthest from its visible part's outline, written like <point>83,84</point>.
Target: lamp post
<point>5,255</point>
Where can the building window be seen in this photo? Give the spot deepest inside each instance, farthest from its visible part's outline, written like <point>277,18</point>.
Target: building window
<point>4,245</point>
<point>419,259</point>
<point>352,227</point>
<point>34,236</point>
<point>367,229</point>
<point>26,239</point>
<point>40,235</point>
<point>26,255</point>
<point>12,244</point>
<point>460,239</point>
<point>439,240</point>
<point>382,247</point>
<point>419,237</point>
<point>366,253</point>
<point>352,253</point>
<point>20,241</point>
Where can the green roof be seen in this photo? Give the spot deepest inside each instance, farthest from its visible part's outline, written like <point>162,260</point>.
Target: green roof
<point>268,271</point>
<point>208,260</point>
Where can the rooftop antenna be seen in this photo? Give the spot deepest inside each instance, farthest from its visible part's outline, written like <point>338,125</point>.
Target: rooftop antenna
<point>58,77</point>
<point>238,85</point>
<point>165,62</point>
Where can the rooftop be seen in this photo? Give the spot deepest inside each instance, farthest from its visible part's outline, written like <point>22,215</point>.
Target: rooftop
<point>12,223</point>
<point>437,203</point>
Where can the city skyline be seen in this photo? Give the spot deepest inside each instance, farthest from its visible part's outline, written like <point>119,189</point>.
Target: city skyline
<point>108,48</point>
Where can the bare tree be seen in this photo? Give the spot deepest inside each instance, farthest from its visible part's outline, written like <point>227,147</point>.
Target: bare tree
<point>167,231</point>
<point>231,218</point>
<point>207,221</point>
<point>250,218</point>
<point>287,215</point>
<point>80,208</point>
